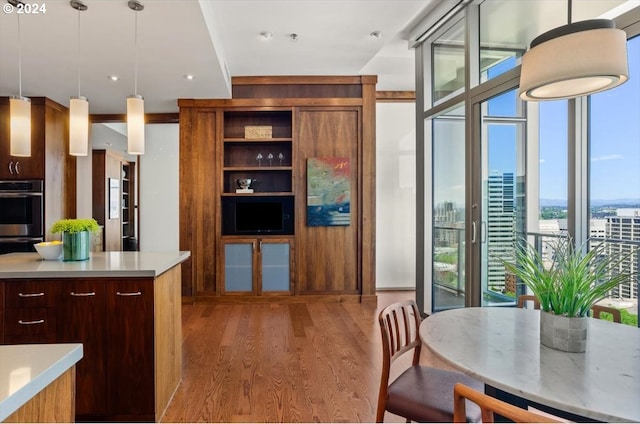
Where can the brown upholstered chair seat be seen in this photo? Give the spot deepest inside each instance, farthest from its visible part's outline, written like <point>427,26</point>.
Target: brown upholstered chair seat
<point>424,394</point>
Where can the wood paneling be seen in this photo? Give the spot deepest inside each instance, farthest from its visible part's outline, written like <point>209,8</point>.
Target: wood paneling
<point>396,96</point>
<point>55,403</point>
<point>367,217</point>
<point>168,340</point>
<point>327,257</point>
<point>198,197</point>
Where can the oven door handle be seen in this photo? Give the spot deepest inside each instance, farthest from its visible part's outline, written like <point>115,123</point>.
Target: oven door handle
<point>19,239</point>
<point>14,194</point>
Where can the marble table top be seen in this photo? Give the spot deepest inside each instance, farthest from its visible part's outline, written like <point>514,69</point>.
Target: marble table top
<point>501,347</point>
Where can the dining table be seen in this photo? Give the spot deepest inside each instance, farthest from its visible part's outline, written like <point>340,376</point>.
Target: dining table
<point>501,347</point>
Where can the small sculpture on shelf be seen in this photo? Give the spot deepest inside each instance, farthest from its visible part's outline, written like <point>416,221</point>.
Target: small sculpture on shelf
<point>244,185</point>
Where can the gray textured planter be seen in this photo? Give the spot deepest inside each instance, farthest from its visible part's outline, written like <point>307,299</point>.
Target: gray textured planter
<point>563,333</point>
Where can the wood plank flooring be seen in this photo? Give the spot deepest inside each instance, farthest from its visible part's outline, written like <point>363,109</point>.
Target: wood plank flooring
<point>289,362</point>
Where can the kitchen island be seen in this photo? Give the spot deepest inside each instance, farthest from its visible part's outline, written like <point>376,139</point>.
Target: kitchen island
<point>124,307</point>
<point>37,382</point>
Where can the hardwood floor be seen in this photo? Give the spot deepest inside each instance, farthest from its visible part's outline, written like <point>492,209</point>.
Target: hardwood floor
<point>294,362</point>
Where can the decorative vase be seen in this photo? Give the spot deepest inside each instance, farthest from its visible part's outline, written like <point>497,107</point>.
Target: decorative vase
<point>568,334</point>
<point>75,246</point>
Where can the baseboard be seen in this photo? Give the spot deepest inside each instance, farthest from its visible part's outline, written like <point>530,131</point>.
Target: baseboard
<point>326,298</point>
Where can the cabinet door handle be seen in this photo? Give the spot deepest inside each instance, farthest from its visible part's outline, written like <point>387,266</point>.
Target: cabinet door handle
<point>30,294</point>
<point>11,167</point>
<point>129,294</point>
<point>38,321</point>
<point>17,167</point>
<point>82,294</point>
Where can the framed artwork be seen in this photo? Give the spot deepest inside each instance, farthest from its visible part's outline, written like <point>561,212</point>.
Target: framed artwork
<point>114,198</point>
<point>328,192</point>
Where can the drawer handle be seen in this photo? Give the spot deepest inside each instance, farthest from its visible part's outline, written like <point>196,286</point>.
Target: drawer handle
<point>30,294</point>
<point>82,294</point>
<point>129,294</point>
<point>38,321</point>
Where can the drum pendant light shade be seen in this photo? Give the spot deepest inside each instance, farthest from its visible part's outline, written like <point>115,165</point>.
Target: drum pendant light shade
<point>574,60</point>
<point>20,126</point>
<point>135,125</point>
<point>78,126</point>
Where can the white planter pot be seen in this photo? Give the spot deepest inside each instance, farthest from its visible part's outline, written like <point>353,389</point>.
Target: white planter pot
<point>563,333</point>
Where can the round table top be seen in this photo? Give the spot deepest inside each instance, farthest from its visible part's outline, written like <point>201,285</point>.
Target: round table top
<point>501,347</point>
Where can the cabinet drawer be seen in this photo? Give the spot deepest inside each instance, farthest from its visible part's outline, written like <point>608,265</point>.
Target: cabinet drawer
<point>30,294</point>
<point>29,322</point>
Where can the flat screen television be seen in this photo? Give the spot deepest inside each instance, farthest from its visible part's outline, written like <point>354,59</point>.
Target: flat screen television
<point>253,215</point>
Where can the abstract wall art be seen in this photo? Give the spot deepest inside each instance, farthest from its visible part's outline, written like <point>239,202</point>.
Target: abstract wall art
<point>328,192</point>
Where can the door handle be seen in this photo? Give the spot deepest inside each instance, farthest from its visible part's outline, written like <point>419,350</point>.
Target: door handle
<point>11,167</point>
<point>473,232</point>
<point>38,321</point>
<point>17,168</point>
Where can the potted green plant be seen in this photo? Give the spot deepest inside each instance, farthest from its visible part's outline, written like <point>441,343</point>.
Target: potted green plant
<point>75,237</point>
<point>567,287</point>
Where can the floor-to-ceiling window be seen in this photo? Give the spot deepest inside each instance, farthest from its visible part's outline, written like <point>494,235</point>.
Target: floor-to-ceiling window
<point>522,172</point>
<point>614,173</point>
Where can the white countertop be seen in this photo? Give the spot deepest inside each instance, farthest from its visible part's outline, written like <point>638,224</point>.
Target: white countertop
<point>100,264</point>
<point>27,369</point>
<point>501,347</point>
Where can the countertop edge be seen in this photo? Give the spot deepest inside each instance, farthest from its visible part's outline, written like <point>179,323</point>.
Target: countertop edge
<point>14,401</point>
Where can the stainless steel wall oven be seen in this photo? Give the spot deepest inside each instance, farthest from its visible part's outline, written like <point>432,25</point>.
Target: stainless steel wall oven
<point>21,215</point>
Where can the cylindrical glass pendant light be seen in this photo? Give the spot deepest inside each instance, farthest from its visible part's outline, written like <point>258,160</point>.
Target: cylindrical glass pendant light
<point>135,102</point>
<point>20,126</point>
<point>78,105</point>
<point>19,114</point>
<point>135,125</point>
<point>78,126</point>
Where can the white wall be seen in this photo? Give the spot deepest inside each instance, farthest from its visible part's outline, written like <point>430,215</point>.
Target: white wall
<point>159,228</point>
<point>395,196</point>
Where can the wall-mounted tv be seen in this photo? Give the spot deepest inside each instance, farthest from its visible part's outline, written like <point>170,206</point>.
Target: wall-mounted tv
<point>256,215</point>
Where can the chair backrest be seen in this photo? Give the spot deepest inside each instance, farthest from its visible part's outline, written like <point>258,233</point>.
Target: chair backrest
<point>597,309</point>
<point>524,298</point>
<point>488,405</point>
<point>399,325</point>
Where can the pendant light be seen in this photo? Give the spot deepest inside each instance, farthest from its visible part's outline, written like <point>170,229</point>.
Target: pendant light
<point>135,102</point>
<point>78,105</point>
<point>574,60</point>
<point>19,110</point>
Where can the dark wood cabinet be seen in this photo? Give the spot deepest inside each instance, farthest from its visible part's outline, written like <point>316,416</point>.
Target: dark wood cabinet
<point>82,317</point>
<point>128,371</point>
<point>30,312</point>
<point>129,354</point>
<point>23,168</point>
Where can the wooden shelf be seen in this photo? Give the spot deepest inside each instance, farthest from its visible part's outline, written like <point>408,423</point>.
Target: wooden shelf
<point>260,193</point>
<point>257,140</point>
<point>257,168</point>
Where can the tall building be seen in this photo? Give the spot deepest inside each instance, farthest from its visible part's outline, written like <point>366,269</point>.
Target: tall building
<point>625,226</point>
<point>501,231</point>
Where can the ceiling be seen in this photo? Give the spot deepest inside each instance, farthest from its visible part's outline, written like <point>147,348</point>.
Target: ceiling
<point>210,39</point>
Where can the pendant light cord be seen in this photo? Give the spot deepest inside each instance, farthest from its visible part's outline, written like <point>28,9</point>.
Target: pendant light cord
<point>569,11</point>
<point>78,53</point>
<point>19,58</point>
<point>135,66</point>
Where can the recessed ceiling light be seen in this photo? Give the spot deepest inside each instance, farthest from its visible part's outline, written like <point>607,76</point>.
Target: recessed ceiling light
<point>189,77</point>
<point>266,35</point>
<point>113,77</point>
<point>376,34</point>
<point>293,37</point>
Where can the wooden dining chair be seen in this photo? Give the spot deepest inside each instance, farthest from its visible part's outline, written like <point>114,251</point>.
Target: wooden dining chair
<point>490,405</point>
<point>524,298</point>
<point>597,310</point>
<point>420,393</point>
